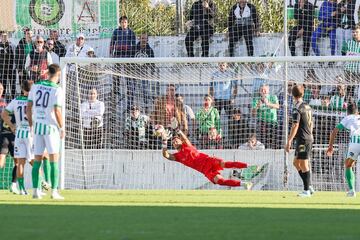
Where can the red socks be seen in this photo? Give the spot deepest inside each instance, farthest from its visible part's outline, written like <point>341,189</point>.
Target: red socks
<point>229,182</point>
<point>235,165</point>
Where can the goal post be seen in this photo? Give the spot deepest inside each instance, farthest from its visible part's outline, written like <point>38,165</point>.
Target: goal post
<point>109,142</point>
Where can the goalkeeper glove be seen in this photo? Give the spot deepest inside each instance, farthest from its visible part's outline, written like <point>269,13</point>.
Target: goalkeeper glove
<point>166,135</point>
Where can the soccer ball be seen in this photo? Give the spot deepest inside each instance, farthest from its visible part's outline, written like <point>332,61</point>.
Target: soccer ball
<point>158,130</point>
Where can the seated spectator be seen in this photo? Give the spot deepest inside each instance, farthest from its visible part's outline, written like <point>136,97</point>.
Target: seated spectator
<point>7,57</point>
<point>213,140</point>
<point>123,40</point>
<point>304,14</point>
<point>92,112</point>
<point>37,61</point>
<point>338,101</point>
<point>200,24</point>
<point>23,49</point>
<point>59,48</point>
<point>79,48</point>
<point>49,46</point>
<point>315,99</point>
<point>91,53</point>
<point>137,129</point>
<point>264,108</point>
<point>252,144</point>
<point>243,21</point>
<point>189,113</point>
<point>164,108</point>
<point>207,117</point>
<point>327,26</point>
<point>237,129</point>
<point>223,88</point>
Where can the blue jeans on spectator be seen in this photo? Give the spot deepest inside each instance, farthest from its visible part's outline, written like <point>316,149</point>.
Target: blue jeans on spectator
<point>320,32</point>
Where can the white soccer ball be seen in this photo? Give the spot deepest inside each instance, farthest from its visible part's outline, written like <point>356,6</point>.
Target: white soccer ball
<point>158,130</point>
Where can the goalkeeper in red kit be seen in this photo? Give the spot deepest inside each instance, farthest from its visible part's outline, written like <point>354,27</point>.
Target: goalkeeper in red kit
<point>211,167</point>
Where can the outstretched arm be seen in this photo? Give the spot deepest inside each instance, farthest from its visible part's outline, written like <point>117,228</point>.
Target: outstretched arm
<point>330,149</point>
<point>183,137</point>
<point>168,155</point>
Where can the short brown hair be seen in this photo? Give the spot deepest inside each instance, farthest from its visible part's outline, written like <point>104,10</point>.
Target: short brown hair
<point>298,91</point>
<point>356,27</point>
<point>53,69</point>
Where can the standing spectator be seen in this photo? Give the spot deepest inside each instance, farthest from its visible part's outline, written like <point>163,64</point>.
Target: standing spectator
<point>264,108</point>
<point>207,117</point>
<point>7,64</point>
<point>189,113</point>
<point>59,48</point>
<point>92,112</point>
<point>223,88</point>
<point>122,45</point>
<point>238,128</point>
<point>23,49</point>
<point>327,26</point>
<point>243,21</point>
<point>37,61</point>
<point>304,14</point>
<point>123,40</point>
<point>352,48</point>
<point>180,116</point>
<point>136,129</point>
<point>164,109</point>
<point>200,24</point>
<point>149,89</point>
<point>346,21</point>
<point>79,48</point>
<point>50,48</point>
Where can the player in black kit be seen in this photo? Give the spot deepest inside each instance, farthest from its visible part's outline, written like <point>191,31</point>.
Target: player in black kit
<point>7,140</point>
<point>302,131</point>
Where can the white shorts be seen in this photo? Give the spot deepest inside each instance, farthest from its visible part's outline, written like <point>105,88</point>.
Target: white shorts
<point>49,142</point>
<point>353,151</point>
<point>24,148</point>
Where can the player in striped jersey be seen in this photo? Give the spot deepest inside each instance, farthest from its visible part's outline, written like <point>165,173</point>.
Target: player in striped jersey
<point>23,136</point>
<point>44,115</point>
<point>352,48</point>
<point>350,123</point>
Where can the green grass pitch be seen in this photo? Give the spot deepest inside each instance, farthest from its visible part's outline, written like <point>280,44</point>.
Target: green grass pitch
<point>180,215</point>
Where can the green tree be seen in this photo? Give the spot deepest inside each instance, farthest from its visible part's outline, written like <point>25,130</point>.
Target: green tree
<point>160,20</point>
<point>157,21</point>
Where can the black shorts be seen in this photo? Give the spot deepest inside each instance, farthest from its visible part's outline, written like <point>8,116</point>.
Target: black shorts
<point>7,142</point>
<point>303,150</point>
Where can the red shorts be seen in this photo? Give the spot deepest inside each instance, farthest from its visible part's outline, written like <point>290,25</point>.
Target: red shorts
<point>212,168</point>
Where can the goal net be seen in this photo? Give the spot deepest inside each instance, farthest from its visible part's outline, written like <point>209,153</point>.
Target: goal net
<point>238,109</point>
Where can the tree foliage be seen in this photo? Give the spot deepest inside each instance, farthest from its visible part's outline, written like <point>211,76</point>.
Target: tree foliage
<point>161,20</point>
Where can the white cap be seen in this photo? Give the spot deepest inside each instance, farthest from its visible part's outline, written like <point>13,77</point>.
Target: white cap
<point>80,35</point>
<point>90,49</point>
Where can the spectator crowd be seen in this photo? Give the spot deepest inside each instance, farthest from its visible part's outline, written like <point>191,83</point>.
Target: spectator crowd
<point>219,122</point>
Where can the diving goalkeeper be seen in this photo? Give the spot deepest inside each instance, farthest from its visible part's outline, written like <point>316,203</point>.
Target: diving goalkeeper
<point>211,167</point>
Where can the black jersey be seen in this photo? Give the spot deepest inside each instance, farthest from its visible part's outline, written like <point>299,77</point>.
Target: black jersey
<point>302,114</point>
<point>4,128</point>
